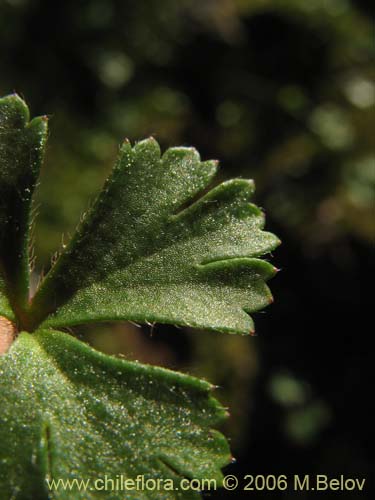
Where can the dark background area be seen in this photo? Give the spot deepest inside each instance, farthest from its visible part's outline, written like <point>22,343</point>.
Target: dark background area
<point>280,91</point>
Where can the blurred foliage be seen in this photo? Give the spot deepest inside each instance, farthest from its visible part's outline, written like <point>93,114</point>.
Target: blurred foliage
<point>305,417</point>
<point>281,91</point>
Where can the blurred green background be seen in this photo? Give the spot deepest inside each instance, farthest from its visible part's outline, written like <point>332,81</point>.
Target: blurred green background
<point>280,91</point>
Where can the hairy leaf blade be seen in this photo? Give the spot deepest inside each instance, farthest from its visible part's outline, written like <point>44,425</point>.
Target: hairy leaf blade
<point>22,145</point>
<point>68,412</point>
<point>139,256</point>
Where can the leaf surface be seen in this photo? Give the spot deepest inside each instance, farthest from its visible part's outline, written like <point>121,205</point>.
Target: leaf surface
<point>68,411</point>
<point>21,150</point>
<point>5,308</point>
<point>144,254</point>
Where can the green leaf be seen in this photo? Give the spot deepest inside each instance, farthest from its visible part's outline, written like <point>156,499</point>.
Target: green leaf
<point>5,309</point>
<point>143,255</point>
<point>68,411</point>
<point>21,150</point>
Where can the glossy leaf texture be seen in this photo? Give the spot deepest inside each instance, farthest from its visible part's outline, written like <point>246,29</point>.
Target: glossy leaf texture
<point>68,412</point>
<point>21,151</point>
<point>144,254</point>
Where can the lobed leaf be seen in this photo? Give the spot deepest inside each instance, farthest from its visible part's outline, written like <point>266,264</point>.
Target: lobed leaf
<point>141,255</point>
<point>68,412</point>
<point>21,150</point>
